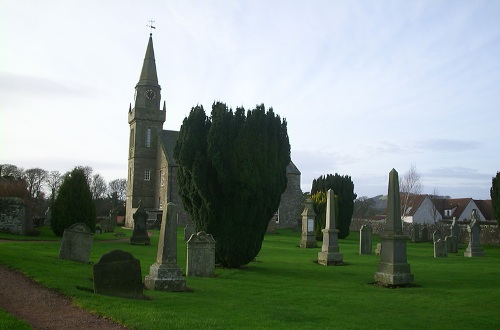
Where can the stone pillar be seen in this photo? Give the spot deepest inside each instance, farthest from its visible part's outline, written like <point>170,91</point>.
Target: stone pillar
<point>330,254</point>
<point>308,239</point>
<point>474,249</point>
<point>393,268</point>
<point>165,274</point>
<point>365,240</point>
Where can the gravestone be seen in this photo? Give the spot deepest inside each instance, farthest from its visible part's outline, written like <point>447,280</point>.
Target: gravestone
<point>200,255</point>
<point>308,238</point>
<point>330,255</point>
<point>76,243</point>
<point>474,248</point>
<point>378,249</point>
<point>365,240</point>
<point>118,273</point>
<point>440,249</point>
<point>189,230</point>
<point>47,217</point>
<point>415,234</point>
<point>393,269</point>
<point>140,233</point>
<point>452,240</point>
<point>165,274</point>
<point>436,235</point>
<point>424,234</point>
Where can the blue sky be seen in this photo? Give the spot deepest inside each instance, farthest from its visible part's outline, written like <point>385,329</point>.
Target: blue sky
<point>365,86</point>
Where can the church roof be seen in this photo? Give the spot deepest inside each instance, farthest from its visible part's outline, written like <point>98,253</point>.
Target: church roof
<point>148,72</point>
<point>168,140</point>
<point>292,169</point>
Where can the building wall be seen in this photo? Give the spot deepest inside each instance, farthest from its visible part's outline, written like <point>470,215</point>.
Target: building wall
<point>15,216</point>
<point>292,203</point>
<point>424,214</point>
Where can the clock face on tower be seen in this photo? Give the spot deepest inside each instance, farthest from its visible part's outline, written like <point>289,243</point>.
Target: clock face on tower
<point>150,94</point>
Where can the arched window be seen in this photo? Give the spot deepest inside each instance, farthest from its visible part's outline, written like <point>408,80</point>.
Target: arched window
<point>148,137</point>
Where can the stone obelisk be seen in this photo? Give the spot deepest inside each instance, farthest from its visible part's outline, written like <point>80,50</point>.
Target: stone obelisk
<point>165,274</point>
<point>330,254</point>
<point>393,269</point>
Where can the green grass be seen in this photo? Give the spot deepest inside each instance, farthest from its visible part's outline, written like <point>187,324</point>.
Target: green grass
<point>284,288</point>
<point>8,321</point>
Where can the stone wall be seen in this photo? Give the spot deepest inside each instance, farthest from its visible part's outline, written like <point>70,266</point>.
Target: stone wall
<point>490,233</point>
<point>292,203</point>
<point>15,216</point>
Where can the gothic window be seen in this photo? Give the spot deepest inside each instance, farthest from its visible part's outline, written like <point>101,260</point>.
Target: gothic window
<point>148,137</point>
<point>147,175</point>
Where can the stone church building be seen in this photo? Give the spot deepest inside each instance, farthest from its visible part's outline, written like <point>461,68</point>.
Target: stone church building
<point>152,168</point>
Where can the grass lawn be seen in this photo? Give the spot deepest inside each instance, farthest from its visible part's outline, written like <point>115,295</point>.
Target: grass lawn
<point>284,288</point>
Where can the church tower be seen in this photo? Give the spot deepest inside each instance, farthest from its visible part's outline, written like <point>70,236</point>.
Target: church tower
<point>146,124</point>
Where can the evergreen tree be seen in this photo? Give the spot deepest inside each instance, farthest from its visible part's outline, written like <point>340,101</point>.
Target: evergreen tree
<point>320,204</point>
<point>232,172</point>
<point>495,196</point>
<point>73,203</point>
<point>343,187</point>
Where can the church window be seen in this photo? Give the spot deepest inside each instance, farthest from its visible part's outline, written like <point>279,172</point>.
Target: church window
<point>161,178</point>
<point>148,137</point>
<point>147,175</point>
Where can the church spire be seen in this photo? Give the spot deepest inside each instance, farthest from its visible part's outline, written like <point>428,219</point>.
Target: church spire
<point>148,73</point>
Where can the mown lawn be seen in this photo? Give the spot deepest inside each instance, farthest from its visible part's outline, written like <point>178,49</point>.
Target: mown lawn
<point>284,288</point>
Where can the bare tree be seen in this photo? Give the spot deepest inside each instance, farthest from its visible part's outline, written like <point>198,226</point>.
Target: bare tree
<point>53,181</point>
<point>98,186</point>
<point>9,170</point>
<point>409,187</point>
<point>118,187</point>
<point>363,207</point>
<point>35,177</point>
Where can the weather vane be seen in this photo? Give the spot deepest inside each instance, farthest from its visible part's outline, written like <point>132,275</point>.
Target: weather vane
<point>151,26</point>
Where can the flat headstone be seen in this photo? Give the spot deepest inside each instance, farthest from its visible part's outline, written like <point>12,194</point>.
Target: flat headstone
<point>440,249</point>
<point>118,273</point>
<point>200,255</point>
<point>76,243</point>
<point>365,240</point>
<point>140,233</point>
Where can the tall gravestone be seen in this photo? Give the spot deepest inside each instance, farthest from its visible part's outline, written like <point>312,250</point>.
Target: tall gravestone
<point>76,243</point>
<point>393,268</point>
<point>118,273</point>
<point>165,274</point>
<point>415,234</point>
<point>474,248</point>
<point>47,217</point>
<point>440,248</point>
<point>424,234</point>
<point>330,254</point>
<point>452,240</point>
<point>365,240</point>
<point>140,233</point>
<point>308,239</point>
<point>200,255</point>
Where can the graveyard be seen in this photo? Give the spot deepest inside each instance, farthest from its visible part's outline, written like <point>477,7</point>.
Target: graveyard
<point>284,287</point>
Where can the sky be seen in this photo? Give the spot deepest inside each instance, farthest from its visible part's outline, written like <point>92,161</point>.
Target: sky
<point>365,86</point>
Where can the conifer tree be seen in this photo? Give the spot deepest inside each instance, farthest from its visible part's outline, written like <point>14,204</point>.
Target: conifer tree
<point>343,187</point>
<point>232,172</point>
<point>73,203</point>
<point>495,196</point>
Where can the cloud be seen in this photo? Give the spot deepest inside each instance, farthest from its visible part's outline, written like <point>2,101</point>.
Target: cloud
<point>447,145</point>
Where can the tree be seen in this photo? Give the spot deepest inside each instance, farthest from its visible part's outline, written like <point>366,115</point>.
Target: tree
<point>98,187</point>
<point>9,170</point>
<point>409,186</point>
<point>73,203</point>
<point>232,172</point>
<point>495,196</point>
<point>320,205</point>
<point>35,177</point>
<point>117,190</point>
<point>363,207</point>
<point>53,182</point>
<point>343,187</point>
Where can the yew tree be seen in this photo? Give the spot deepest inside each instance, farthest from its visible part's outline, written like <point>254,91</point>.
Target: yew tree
<point>495,196</point>
<point>231,174</point>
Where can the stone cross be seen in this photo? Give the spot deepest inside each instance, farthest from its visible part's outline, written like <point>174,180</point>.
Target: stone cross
<point>165,274</point>
<point>393,269</point>
<point>474,248</point>
<point>330,254</point>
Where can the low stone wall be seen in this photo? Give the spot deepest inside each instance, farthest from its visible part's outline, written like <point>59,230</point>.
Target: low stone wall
<point>15,216</point>
<point>490,234</point>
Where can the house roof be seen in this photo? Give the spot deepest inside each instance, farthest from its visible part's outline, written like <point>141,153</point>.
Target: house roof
<point>168,140</point>
<point>414,203</point>
<point>459,204</point>
<point>486,208</point>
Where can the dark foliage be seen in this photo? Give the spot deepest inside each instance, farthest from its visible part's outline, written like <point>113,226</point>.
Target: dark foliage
<point>73,203</point>
<point>232,172</point>
<point>495,196</point>
<point>343,187</point>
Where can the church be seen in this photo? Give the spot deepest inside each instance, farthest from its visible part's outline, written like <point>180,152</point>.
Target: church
<point>152,178</point>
